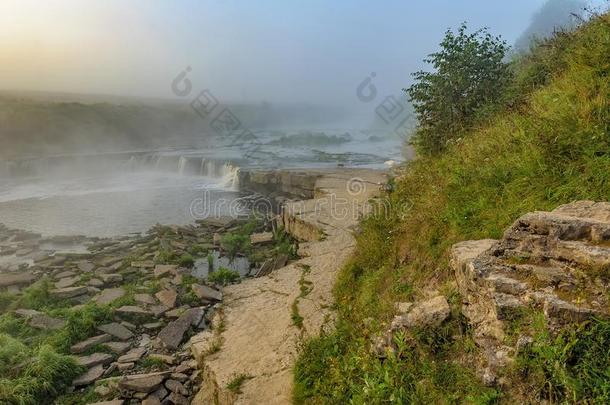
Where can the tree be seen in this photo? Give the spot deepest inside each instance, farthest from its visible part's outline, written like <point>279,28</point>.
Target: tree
<point>469,77</point>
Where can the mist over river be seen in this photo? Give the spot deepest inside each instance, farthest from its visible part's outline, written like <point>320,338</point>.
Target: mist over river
<point>128,192</point>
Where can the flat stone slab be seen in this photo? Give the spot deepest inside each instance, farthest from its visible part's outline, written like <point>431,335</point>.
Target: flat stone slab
<point>143,382</point>
<point>165,269</point>
<point>117,330</point>
<point>167,297</point>
<point>203,292</point>
<point>9,279</point>
<point>111,278</point>
<point>109,295</point>
<point>172,335</point>
<point>118,347</point>
<point>134,313</point>
<point>90,376</point>
<point>263,237</point>
<point>40,320</point>
<point>85,266</point>
<point>66,282</point>
<point>89,343</point>
<point>133,355</point>
<point>143,264</point>
<point>113,402</point>
<point>94,359</point>
<point>69,292</point>
<point>146,299</point>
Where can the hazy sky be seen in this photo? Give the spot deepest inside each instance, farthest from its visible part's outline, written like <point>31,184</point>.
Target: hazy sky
<point>312,51</point>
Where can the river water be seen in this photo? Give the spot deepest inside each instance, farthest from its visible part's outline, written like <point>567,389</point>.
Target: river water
<point>128,192</point>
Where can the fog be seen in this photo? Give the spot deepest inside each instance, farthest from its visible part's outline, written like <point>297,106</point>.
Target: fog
<point>278,51</point>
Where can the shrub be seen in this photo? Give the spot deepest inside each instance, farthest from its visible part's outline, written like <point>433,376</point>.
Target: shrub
<point>186,260</point>
<point>470,76</point>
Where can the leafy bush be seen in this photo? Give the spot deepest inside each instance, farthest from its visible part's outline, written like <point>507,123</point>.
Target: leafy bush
<point>234,243</point>
<point>470,76</point>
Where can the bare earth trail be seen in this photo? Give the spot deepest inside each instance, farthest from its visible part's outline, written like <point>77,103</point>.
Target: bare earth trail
<point>259,338</point>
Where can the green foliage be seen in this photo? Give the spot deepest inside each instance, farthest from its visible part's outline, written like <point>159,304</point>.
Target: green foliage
<point>223,276</point>
<point>469,76</point>
<point>550,147</point>
<point>152,363</point>
<point>186,260</point>
<point>234,243</point>
<point>80,324</point>
<point>572,367</point>
<point>37,296</point>
<point>44,376</point>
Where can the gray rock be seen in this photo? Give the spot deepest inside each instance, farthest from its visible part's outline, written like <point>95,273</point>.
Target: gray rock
<point>94,359</point>
<point>125,366</point>
<point>95,282</point>
<point>203,292</point>
<point>90,376</point>
<point>143,264</point>
<point>116,330</point>
<point>151,400</point>
<point>89,343</point>
<point>113,402</point>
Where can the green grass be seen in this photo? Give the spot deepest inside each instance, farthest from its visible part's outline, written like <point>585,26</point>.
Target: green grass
<point>550,145</point>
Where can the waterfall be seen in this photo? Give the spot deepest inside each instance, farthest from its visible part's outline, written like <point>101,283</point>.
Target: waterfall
<point>182,165</point>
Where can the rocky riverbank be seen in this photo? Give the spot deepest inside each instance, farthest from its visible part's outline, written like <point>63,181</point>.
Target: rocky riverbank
<point>117,313</point>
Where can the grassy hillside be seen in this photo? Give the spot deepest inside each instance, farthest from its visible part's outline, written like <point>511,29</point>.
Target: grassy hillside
<point>549,144</point>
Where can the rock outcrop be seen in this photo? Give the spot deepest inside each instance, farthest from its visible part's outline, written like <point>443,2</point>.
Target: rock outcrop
<point>555,262</point>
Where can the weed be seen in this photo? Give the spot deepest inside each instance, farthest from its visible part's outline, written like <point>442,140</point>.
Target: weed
<point>236,382</point>
<point>223,276</point>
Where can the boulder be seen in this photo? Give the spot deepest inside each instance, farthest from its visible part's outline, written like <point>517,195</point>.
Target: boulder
<point>85,266</point>
<point>176,386</point>
<point>263,237</point>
